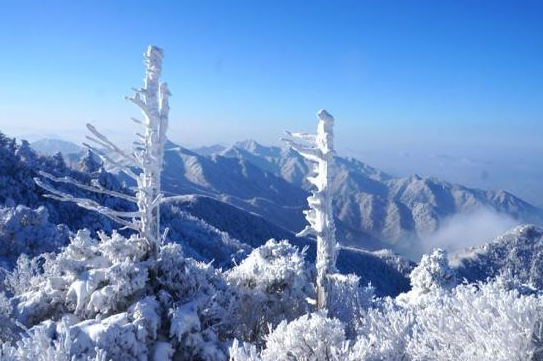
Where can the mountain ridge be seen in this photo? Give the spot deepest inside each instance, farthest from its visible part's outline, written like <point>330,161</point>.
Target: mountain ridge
<point>375,209</point>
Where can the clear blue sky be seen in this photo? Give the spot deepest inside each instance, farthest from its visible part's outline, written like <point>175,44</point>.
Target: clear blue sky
<point>400,74</point>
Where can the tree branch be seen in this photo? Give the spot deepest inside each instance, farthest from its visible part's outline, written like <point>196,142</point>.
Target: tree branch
<point>100,190</point>
<point>91,205</point>
<point>104,141</point>
<point>106,159</point>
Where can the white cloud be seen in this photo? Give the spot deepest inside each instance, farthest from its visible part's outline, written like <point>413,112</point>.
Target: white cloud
<point>469,229</point>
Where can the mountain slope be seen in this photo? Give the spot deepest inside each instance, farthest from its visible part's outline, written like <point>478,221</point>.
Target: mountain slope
<point>48,146</point>
<point>374,209</point>
<point>518,252</point>
<point>234,181</point>
<point>387,272</point>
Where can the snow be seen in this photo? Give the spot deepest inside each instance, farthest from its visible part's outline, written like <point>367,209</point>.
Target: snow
<point>163,351</point>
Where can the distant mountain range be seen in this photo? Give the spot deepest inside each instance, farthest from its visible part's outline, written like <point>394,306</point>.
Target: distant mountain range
<point>377,210</point>
<point>50,146</point>
<point>373,210</point>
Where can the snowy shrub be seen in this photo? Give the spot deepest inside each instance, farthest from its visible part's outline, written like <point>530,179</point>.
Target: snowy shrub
<point>244,352</point>
<point>383,334</point>
<point>8,328</point>
<point>199,302</point>
<point>26,275</point>
<point>24,230</point>
<point>107,297</point>
<point>312,337</point>
<point>479,322</point>
<point>433,274</point>
<point>123,336</point>
<point>273,283</point>
<point>348,300</point>
<point>86,278</point>
<point>38,346</point>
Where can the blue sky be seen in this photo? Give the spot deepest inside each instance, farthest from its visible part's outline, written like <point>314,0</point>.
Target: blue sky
<point>455,77</point>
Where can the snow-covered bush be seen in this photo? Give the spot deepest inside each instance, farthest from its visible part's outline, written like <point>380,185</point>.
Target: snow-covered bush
<point>384,333</point>
<point>37,346</point>
<point>479,322</point>
<point>25,276</point>
<point>312,337</point>
<point>273,284</point>
<point>88,277</point>
<point>8,328</point>
<point>199,302</point>
<point>105,296</point>
<point>348,300</point>
<point>432,274</point>
<point>24,230</point>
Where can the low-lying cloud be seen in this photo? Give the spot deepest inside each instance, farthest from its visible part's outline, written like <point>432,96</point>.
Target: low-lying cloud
<point>469,229</point>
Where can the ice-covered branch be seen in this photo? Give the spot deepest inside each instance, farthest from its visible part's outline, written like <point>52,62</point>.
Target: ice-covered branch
<point>319,149</point>
<point>95,189</point>
<point>106,143</point>
<point>91,205</point>
<point>107,159</point>
<point>302,136</point>
<point>311,153</point>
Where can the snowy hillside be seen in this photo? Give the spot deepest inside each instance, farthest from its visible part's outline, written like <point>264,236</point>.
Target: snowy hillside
<point>387,271</point>
<point>518,252</point>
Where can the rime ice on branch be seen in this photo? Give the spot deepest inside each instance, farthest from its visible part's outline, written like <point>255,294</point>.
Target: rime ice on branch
<point>319,149</point>
<point>147,155</point>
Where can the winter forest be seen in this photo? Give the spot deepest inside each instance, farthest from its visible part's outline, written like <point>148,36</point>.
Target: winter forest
<point>247,252</point>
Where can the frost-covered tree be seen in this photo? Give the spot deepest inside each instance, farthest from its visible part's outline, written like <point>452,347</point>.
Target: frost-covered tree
<point>479,322</point>
<point>147,156</point>
<point>8,328</point>
<point>312,337</point>
<point>433,274</point>
<point>90,163</point>
<point>349,300</point>
<point>319,149</point>
<point>383,334</point>
<point>273,284</point>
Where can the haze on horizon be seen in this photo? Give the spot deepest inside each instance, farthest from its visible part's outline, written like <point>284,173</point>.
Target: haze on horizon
<point>451,88</point>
